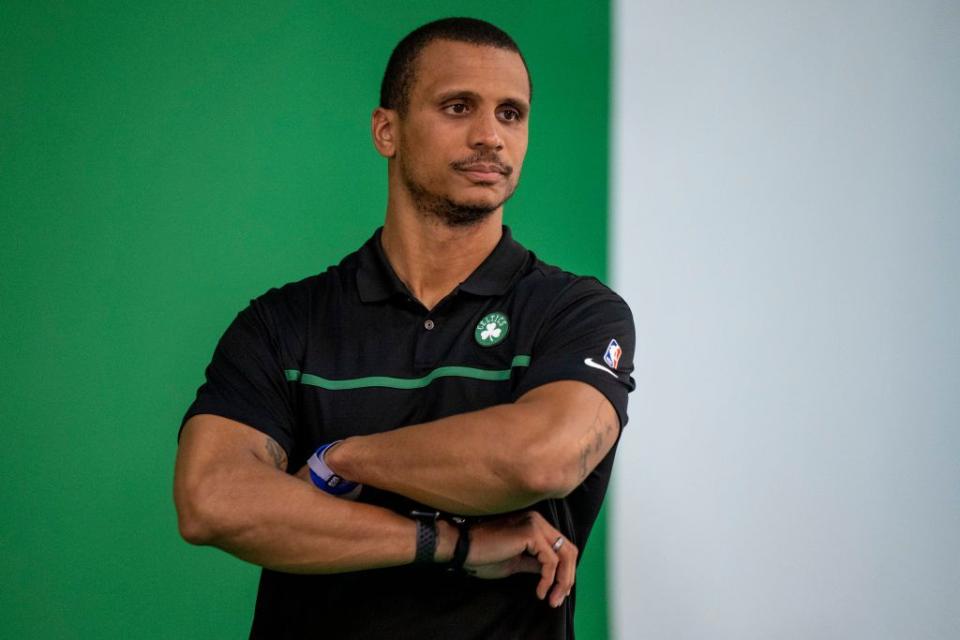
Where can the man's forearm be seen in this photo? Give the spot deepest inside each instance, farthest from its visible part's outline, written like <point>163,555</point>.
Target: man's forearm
<point>231,491</point>
<point>461,464</point>
<point>273,520</point>
<point>495,460</point>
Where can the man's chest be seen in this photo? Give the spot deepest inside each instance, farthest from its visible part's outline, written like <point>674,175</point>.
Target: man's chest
<point>393,365</point>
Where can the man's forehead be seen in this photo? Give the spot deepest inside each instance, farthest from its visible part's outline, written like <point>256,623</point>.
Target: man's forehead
<point>445,65</point>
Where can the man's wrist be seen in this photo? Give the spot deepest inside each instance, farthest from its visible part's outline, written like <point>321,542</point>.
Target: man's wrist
<point>326,479</point>
<point>447,535</point>
<point>337,458</point>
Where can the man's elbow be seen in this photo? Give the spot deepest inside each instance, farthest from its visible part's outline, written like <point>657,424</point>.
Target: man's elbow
<point>195,520</point>
<point>548,476</point>
<point>193,529</point>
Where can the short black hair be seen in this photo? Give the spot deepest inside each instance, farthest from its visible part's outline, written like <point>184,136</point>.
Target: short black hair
<point>401,68</point>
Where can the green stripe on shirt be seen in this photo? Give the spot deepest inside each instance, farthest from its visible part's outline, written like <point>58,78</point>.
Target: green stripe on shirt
<point>293,375</point>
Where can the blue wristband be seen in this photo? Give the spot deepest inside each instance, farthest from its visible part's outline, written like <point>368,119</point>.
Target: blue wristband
<point>326,480</point>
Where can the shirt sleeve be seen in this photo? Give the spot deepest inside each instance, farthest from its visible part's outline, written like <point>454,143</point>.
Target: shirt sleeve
<point>245,380</point>
<point>588,336</point>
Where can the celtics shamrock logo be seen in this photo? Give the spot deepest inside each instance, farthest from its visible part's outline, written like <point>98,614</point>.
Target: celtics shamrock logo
<point>492,329</point>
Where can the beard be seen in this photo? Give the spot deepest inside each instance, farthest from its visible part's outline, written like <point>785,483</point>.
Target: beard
<point>448,211</point>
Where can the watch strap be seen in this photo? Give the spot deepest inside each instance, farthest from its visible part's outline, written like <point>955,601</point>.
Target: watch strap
<point>426,536</point>
<point>462,549</point>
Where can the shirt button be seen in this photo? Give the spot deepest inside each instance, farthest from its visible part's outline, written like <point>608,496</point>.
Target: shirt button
<point>428,325</point>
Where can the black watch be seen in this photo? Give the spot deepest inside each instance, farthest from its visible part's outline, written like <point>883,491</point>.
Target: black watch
<point>426,535</point>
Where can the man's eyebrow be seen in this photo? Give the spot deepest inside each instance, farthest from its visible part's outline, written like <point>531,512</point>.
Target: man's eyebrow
<point>458,93</point>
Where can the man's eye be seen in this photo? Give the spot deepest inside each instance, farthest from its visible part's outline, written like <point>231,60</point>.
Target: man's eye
<point>510,115</point>
<point>458,108</point>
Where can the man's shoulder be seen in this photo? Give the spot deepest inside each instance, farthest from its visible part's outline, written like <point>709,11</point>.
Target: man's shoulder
<point>294,302</point>
<point>547,282</point>
<point>334,277</point>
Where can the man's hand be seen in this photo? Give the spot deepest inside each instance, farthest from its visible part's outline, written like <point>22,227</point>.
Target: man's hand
<point>524,543</point>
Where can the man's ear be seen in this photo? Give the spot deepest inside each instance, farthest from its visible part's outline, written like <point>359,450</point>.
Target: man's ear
<point>383,127</point>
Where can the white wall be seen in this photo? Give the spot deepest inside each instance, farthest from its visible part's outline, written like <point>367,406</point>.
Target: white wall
<point>787,231</point>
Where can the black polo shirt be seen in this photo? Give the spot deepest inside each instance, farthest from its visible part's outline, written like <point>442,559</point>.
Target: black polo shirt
<point>352,352</point>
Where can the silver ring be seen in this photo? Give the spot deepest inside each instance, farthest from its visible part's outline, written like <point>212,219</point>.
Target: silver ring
<point>558,543</point>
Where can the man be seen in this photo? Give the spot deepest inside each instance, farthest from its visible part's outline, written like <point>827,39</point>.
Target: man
<point>415,443</point>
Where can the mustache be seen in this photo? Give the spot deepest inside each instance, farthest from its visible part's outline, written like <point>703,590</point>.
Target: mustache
<point>485,159</point>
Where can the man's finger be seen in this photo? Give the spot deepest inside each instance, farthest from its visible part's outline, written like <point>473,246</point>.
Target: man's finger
<point>540,548</point>
<point>566,573</point>
<point>566,554</point>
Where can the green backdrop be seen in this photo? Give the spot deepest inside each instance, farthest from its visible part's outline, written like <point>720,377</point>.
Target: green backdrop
<point>160,166</point>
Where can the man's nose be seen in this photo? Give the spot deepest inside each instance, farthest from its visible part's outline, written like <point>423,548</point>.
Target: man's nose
<point>485,133</point>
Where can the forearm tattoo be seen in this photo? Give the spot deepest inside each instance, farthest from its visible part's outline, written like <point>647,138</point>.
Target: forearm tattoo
<point>594,441</point>
<point>276,453</point>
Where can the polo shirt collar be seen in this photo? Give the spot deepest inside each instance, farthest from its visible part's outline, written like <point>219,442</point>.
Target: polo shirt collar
<point>377,281</point>
<point>496,274</point>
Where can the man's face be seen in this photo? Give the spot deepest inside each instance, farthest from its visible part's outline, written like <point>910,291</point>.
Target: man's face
<point>464,136</point>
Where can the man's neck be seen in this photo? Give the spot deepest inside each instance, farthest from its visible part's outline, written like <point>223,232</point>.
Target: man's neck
<point>432,258</point>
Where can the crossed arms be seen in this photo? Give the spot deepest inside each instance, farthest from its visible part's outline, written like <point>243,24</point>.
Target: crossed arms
<point>232,491</point>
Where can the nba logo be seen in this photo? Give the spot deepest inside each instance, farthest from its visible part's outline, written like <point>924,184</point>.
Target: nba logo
<point>612,355</point>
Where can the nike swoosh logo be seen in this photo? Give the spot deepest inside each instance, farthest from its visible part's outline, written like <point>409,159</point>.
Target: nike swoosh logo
<point>596,365</point>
